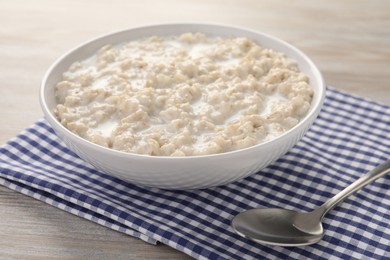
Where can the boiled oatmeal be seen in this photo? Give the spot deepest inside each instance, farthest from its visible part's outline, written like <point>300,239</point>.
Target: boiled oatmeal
<point>183,95</point>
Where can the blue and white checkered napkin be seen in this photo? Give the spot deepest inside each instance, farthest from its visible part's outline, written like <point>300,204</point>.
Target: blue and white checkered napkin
<point>350,137</point>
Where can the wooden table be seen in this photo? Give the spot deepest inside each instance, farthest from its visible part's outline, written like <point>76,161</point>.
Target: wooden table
<point>348,40</point>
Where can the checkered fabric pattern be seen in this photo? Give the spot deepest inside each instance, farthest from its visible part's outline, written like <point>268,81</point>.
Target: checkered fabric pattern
<point>350,137</point>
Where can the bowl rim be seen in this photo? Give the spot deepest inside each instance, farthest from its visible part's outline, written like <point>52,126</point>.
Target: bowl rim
<point>313,113</point>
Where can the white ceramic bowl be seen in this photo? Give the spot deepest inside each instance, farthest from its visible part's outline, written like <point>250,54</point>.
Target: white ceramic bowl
<point>180,172</point>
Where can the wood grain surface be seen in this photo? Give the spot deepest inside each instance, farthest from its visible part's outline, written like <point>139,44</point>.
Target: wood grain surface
<point>348,40</point>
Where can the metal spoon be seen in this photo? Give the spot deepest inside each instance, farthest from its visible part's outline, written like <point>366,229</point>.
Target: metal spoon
<point>283,227</point>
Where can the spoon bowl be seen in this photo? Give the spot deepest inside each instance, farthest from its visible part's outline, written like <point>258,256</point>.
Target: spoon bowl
<point>284,227</point>
<point>276,226</point>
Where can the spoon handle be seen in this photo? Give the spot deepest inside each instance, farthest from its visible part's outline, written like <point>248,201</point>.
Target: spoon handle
<point>376,173</point>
